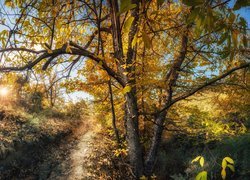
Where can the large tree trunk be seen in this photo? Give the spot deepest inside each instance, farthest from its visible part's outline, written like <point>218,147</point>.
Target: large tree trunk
<point>134,146</point>
<point>131,110</point>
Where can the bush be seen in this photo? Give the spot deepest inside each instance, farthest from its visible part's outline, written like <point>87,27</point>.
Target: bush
<point>35,101</point>
<point>174,159</point>
<point>76,110</point>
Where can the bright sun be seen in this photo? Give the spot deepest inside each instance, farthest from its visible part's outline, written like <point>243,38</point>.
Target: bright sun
<point>4,91</point>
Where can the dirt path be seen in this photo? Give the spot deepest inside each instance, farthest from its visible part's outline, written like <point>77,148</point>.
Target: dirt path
<point>79,156</point>
<point>73,166</point>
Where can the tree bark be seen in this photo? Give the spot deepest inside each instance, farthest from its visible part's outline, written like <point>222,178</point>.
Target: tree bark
<point>113,115</point>
<point>152,154</point>
<point>134,146</point>
<point>131,109</point>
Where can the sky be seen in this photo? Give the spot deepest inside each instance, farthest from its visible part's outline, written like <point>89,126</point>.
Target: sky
<point>243,12</point>
<point>76,96</point>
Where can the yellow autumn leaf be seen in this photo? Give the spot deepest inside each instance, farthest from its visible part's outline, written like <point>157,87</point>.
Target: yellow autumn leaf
<point>202,161</point>
<point>196,159</point>
<point>128,24</point>
<point>68,49</point>
<point>134,41</point>
<point>9,3</point>
<point>143,178</point>
<point>126,89</point>
<point>49,51</point>
<point>201,176</point>
<point>223,173</point>
<point>224,163</point>
<point>125,6</point>
<point>125,73</point>
<point>153,176</point>
<point>26,23</point>
<point>100,63</point>
<point>231,167</point>
<point>230,160</point>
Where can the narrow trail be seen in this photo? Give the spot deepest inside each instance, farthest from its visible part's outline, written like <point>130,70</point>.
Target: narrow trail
<point>73,166</point>
<point>79,155</point>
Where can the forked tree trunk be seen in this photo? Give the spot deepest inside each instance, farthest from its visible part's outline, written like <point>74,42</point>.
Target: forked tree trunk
<point>171,79</point>
<point>152,154</point>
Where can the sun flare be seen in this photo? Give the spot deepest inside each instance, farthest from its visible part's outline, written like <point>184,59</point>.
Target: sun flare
<point>4,91</point>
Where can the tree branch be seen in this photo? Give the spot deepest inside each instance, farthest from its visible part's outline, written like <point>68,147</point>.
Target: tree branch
<point>30,65</point>
<point>21,49</point>
<point>77,50</point>
<point>98,60</point>
<point>199,88</point>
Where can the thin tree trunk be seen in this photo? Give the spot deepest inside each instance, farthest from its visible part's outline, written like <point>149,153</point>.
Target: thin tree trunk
<point>51,97</point>
<point>113,115</point>
<point>142,92</point>
<point>100,45</point>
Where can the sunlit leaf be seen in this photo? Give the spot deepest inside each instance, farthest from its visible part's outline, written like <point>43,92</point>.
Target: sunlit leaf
<point>49,51</point>
<point>209,21</point>
<point>126,5</point>
<point>100,63</point>
<point>224,163</point>
<point>128,24</point>
<point>143,178</point>
<point>26,23</point>
<point>126,89</point>
<point>230,160</point>
<point>68,49</point>
<point>196,159</point>
<point>223,173</point>
<point>9,3</point>
<point>134,41</point>
<point>202,161</point>
<point>231,167</point>
<point>201,176</point>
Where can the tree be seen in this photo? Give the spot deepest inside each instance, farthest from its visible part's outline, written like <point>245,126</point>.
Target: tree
<point>161,51</point>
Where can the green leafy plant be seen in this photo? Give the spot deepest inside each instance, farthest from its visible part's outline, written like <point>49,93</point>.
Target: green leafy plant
<point>226,162</point>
